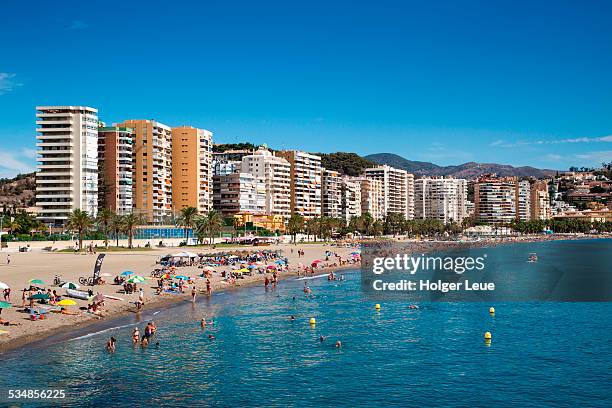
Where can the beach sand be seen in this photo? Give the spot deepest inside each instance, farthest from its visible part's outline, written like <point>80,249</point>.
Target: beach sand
<point>70,266</point>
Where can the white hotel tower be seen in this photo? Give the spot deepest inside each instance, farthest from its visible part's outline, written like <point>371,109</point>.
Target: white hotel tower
<point>67,170</point>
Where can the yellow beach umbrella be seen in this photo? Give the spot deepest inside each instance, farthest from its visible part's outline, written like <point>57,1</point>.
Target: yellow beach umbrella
<point>66,302</point>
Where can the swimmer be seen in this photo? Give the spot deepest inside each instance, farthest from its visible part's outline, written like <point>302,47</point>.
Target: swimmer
<point>321,338</point>
<point>145,341</point>
<point>211,337</point>
<point>110,345</point>
<point>338,344</point>
<point>292,318</point>
<point>135,336</point>
<point>413,307</point>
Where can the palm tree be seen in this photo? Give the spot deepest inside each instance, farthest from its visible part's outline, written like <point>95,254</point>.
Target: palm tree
<point>186,220</point>
<point>105,219</point>
<point>295,225</point>
<point>116,226</point>
<point>79,221</point>
<point>209,225</point>
<point>128,224</point>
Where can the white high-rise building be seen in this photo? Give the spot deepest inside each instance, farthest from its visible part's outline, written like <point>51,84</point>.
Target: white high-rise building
<point>67,170</point>
<point>398,189</point>
<point>305,182</point>
<point>372,197</point>
<point>501,199</point>
<point>444,199</point>
<point>276,175</point>
<point>239,193</point>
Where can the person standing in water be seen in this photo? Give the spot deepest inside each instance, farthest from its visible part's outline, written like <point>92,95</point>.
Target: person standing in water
<point>135,336</point>
<point>110,345</point>
<point>193,294</point>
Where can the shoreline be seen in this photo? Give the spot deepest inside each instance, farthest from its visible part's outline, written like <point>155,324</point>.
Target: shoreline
<point>65,330</point>
<point>68,332</point>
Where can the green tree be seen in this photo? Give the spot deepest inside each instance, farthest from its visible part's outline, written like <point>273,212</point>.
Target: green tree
<point>186,220</point>
<point>209,225</point>
<point>128,224</point>
<point>105,219</point>
<point>295,225</point>
<point>79,221</point>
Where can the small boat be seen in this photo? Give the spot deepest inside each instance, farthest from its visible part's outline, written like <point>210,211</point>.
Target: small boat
<point>533,257</point>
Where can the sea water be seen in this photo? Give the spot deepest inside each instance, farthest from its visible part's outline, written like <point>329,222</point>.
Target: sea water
<point>541,354</point>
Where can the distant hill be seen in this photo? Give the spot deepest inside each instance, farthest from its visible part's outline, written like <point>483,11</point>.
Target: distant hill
<point>468,170</point>
<point>18,191</point>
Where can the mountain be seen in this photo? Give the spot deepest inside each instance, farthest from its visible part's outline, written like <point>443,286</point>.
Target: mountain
<point>468,170</point>
<point>18,191</point>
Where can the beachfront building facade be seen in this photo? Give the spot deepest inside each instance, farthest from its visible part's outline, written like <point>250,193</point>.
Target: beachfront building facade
<point>372,197</point>
<point>67,162</point>
<point>500,200</point>
<point>350,198</point>
<point>239,193</point>
<point>331,190</point>
<point>223,168</point>
<point>192,172</point>
<point>152,170</point>
<point>276,175</point>
<point>398,189</point>
<point>305,182</point>
<point>540,200</point>
<point>115,150</point>
<point>443,199</point>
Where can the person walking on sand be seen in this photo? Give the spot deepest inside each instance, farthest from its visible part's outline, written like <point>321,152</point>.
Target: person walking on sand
<point>141,296</point>
<point>8,259</point>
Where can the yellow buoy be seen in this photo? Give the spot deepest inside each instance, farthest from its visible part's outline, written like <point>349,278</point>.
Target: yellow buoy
<point>377,307</point>
<point>492,310</point>
<point>313,320</point>
<point>487,336</point>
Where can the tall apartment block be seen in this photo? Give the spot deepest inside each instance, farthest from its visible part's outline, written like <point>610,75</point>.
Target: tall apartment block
<point>501,199</point>
<point>115,168</point>
<point>67,148</point>
<point>540,201</point>
<point>398,189</point>
<point>192,172</point>
<point>305,182</point>
<point>152,169</point>
<point>372,197</point>
<point>350,198</point>
<point>239,193</point>
<point>331,199</point>
<point>443,199</point>
<point>276,175</point>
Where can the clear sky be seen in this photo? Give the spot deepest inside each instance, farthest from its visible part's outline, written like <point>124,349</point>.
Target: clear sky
<point>522,83</point>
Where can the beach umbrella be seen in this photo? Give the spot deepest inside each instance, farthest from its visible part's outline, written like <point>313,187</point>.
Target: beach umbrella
<point>127,273</point>
<point>271,266</point>
<point>5,305</point>
<point>37,281</point>
<point>66,302</point>
<point>136,279</point>
<point>252,266</point>
<point>279,262</point>
<point>355,253</point>
<point>183,277</point>
<point>243,270</point>
<point>209,268</point>
<point>316,261</point>
<point>3,285</point>
<point>40,296</point>
<point>69,285</point>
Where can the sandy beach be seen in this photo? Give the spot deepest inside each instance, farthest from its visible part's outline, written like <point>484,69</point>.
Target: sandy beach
<point>69,266</point>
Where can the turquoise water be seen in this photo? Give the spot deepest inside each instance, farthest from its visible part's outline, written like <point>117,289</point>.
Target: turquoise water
<point>542,354</point>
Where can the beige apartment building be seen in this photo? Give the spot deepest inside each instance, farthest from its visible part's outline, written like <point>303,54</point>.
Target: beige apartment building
<point>372,197</point>
<point>305,182</point>
<point>192,176</point>
<point>67,168</point>
<point>275,172</point>
<point>239,194</point>
<point>115,177</point>
<point>540,201</point>
<point>152,169</point>
<point>331,190</point>
<point>499,200</point>
<point>350,198</point>
<point>398,189</point>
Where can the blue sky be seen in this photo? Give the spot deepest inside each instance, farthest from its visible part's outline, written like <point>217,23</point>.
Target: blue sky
<point>448,82</point>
